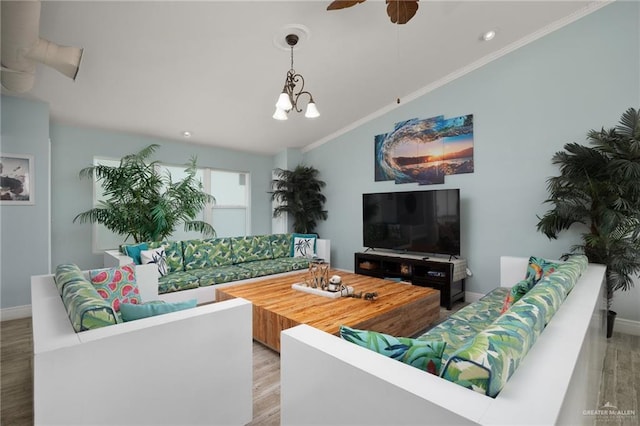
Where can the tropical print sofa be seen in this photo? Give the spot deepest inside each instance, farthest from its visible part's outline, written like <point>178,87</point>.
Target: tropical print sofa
<point>84,356</point>
<point>107,296</point>
<point>85,306</point>
<point>191,264</point>
<point>486,341</point>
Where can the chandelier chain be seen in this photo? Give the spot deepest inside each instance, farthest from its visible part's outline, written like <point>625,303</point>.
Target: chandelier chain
<point>291,57</point>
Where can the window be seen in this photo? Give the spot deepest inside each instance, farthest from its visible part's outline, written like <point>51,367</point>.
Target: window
<point>230,215</point>
<point>177,173</point>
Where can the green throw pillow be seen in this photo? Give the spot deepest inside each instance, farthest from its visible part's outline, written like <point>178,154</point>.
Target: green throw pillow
<point>515,294</point>
<point>423,354</point>
<point>539,268</point>
<point>131,312</point>
<point>133,251</point>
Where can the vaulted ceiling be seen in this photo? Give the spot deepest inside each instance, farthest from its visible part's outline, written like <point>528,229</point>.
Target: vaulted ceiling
<point>214,68</point>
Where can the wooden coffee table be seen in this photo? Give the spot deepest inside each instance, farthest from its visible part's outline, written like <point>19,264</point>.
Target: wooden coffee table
<point>399,309</point>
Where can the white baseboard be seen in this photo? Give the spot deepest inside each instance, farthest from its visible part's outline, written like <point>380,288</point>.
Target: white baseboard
<point>626,326</point>
<point>15,312</point>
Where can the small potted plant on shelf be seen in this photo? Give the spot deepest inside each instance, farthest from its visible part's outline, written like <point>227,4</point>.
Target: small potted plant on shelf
<point>599,187</point>
<point>142,203</point>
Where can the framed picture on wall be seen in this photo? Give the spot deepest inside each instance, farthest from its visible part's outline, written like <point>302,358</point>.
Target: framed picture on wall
<point>16,179</point>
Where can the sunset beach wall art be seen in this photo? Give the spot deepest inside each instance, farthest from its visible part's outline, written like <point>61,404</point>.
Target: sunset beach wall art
<point>425,150</point>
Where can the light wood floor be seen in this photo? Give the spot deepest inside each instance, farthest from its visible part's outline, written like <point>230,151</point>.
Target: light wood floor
<point>620,385</point>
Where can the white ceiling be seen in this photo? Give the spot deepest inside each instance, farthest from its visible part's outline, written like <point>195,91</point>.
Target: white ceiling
<point>159,68</point>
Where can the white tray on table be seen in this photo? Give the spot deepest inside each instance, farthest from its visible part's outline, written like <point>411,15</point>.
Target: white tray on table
<point>319,292</point>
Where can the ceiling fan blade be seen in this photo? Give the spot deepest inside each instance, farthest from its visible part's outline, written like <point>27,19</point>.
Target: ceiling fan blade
<point>401,11</point>
<point>335,5</point>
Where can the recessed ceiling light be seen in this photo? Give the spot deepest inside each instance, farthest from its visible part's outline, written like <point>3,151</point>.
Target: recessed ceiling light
<point>186,134</point>
<point>489,35</point>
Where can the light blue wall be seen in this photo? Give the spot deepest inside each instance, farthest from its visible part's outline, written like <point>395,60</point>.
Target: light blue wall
<point>526,106</point>
<point>287,159</point>
<point>24,230</point>
<point>74,148</point>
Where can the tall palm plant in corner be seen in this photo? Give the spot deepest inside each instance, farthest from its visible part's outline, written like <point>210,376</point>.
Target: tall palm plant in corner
<point>142,203</point>
<point>299,193</point>
<point>599,188</point>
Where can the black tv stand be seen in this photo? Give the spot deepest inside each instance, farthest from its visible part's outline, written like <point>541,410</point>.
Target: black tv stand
<point>445,275</point>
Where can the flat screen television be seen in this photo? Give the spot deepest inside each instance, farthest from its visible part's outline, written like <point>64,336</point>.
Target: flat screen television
<point>414,221</point>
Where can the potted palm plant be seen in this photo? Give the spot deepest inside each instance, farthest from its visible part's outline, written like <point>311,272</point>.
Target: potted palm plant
<point>144,204</point>
<point>598,189</point>
<point>299,193</point>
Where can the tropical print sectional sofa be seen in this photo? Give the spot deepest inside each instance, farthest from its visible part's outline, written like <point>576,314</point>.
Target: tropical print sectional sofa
<point>206,262</point>
<point>93,299</point>
<point>480,346</point>
<point>169,369</point>
<point>530,353</point>
<point>85,306</point>
<point>486,341</point>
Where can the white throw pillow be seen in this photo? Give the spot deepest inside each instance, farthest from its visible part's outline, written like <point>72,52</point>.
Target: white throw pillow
<point>304,246</point>
<point>156,256</point>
